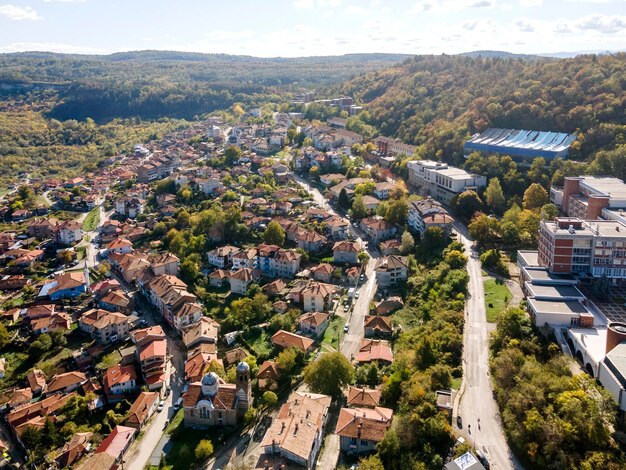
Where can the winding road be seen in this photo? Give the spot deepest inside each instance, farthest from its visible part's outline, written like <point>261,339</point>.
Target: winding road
<point>476,394</point>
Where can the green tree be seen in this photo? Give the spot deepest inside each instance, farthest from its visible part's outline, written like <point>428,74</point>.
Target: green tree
<point>535,197</point>
<point>269,398</point>
<point>397,212</point>
<point>329,373</point>
<point>371,463</point>
<point>549,212</point>
<point>455,259</point>
<point>203,450</point>
<point>287,359</point>
<point>274,234</point>
<point>363,257</point>
<point>358,207</point>
<point>189,271</point>
<point>494,196</point>
<point>484,229</point>
<point>232,154</point>
<point>467,203</point>
<point>4,336</point>
<point>344,199</point>
<point>408,243</point>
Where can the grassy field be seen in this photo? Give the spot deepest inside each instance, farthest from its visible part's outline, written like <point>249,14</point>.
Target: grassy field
<point>259,341</point>
<point>497,296</point>
<point>332,335</point>
<point>92,220</point>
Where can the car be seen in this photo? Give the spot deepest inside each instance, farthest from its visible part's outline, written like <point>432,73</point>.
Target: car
<point>482,458</point>
<point>356,295</point>
<point>143,322</point>
<point>167,422</point>
<point>459,422</point>
<point>346,327</point>
<point>161,405</point>
<point>346,308</point>
<point>178,403</point>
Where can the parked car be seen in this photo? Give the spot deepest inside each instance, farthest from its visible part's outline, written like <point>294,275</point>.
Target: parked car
<point>178,403</point>
<point>346,308</point>
<point>161,405</point>
<point>346,327</point>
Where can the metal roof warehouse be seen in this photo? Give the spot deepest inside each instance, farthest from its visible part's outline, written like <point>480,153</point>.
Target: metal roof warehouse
<point>521,143</point>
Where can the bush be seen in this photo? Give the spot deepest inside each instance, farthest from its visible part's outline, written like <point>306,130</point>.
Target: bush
<point>204,450</point>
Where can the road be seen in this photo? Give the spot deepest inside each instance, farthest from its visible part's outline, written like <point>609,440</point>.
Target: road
<point>477,401</point>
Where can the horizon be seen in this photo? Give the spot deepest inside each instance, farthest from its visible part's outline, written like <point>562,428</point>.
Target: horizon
<point>315,28</point>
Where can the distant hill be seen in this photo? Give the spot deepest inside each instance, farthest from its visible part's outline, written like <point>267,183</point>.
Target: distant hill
<point>436,102</point>
<point>499,54</point>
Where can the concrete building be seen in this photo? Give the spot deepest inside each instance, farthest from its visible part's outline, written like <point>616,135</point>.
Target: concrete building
<point>441,181</point>
<point>590,197</point>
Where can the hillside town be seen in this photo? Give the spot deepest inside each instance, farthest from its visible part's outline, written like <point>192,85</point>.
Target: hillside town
<point>180,294</point>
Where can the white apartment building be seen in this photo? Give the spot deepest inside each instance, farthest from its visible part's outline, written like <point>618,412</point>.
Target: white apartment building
<point>441,181</point>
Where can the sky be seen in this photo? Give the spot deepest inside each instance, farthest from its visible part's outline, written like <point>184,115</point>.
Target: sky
<point>292,28</point>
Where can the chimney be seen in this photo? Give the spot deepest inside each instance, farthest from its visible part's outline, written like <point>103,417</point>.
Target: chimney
<point>358,431</point>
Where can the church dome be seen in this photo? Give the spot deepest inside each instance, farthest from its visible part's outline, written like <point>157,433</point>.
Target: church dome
<point>243,367</point>
<point>210,384</point>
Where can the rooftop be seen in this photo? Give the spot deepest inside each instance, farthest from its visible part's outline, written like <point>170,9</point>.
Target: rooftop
<point>553,292</point>
<point>567,307</point>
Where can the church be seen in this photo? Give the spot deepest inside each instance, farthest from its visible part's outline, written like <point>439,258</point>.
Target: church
<point>213,402</point>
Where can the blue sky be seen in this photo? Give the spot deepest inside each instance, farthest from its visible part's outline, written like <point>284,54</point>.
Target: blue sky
<point>312,27</point>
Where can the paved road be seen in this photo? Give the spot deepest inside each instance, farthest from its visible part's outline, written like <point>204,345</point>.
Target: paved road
<point>477,401</point>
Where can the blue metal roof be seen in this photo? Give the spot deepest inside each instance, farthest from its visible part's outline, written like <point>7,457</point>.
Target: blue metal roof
<point>521,143</point>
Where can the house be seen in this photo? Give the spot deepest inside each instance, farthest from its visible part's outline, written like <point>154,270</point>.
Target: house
<point>360,429</point>
<point>68,233</point>
<point>115,301</point>
<point>371,203</point>
<point>332,179</point>
<point>285,339</point>
<point>130,207</point>
<point>390,247</point>
<point>338,227</point>
<point>211,402</point>
<point>151,353</point>
<point>323,272</point>
<point>314,323</point>
<point>66,382</point>
<point>104,326</point>
<point>310,240</point>
<point>120,246</point>
<point>117,443</point>
<point>235,356</point>
<point>268,376</point>
<point>200,361</point>
<point>218,278</point>
<point>119,381</point>
<point>206,330</point>
<point>391,270</point>
<point>377,229</point>
<point>274,288</point>
<point>245,259</point>
<point>164,263</point>
<point>36,381</point>
<point>41,228</point>
<point>316,296</point>
<point>222,257</point>
<point>20,396</point>
<point>72,451</point>
<point>65,286</point>
<point>141,410</point>
<point>377,327</point>
<point>297,432</point>
<point>241,279</point>
<point>374,350</point>
<point>56,321</point>
<point>41,409</point>
<point>346,252</point>
<point>383,190</point>
<point>363,397</point>
<point>352,274</point>
<point>388,306</point>
<point>285,263</point>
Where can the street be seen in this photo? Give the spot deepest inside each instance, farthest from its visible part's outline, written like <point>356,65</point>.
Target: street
<point>476,394</point>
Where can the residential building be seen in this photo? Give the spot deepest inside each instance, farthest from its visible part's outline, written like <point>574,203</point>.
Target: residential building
<point>65,383</point>
<point>297,432</point>
<point>374,350</point>
<point>72,451</point>
<point>393,147</point>
<point>285,339</point>
<point>309,240</point>
<point>268,376</point>
<point>130,207</point>
<point>362,397</point>
<point>119,381</point>
<point>377,229</point>
<point>591,197</point>
<point>383,190</point>
<point>441,181</point>
<point>151,352</point>
<point>68,233</point>
<point>115,301</point>
<point>612,369</point>
<point>41,228</point>
<point>346,252</point>
<point>164,263</point>
<point>65,286</point>
<point>323,272</point>
<point>428,213</point>
<point>317,296</point>
<point>376,326</point>
<point>390,270</point>
<point>120,246</point>
<point>241,279</point>
<point>222,257</point>
<point>245,259</point>
<point>360,429</point>
<point>104,326</point>
<point>117,443</point>
<point>141,410</point>
<point>313,323</point>
<point>206,330</point>
<point>211,402</point>
<point>274,261</point>
<point>338,228</point>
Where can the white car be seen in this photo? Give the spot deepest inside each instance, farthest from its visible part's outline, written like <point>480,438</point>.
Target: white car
<point>356,295</point>
<point>161,405</point>
<point>346,327</point>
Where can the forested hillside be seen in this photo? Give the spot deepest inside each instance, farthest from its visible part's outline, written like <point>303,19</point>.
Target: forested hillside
<point>153,84</point>
<point>438,101</point>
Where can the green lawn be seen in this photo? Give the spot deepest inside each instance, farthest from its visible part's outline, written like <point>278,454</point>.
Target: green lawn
<point>259,341</point>
<point>92,220</point>
<point>332,335</point>
<point>497,296</point>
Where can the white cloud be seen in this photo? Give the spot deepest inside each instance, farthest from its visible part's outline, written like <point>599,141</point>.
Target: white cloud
<point>303,4</point>
<point>602,23</point>
<point>525,25</point>
<point>64,1</point>
<point>355,10</point>
<point>19,13</point>
<point>531,3</point>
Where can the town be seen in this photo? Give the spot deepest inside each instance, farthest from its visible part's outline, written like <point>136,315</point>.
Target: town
<point>232,295</point>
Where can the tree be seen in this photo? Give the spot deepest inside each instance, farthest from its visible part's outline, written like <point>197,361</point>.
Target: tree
<point>455,259</point>
<point>399,190</point>
<point>344,199</point>
<point>189,271</point>
<point>535,197</point>
<point>549,212</point>
<point>484,229</point>
<point>397,212</point>
<point>287,359</point>
<point>232,154</point>
<point>359,210</point>
<point>467,203</point>
<point>274,234</point>
<point>269,398</point>
<point>371,463</point>
<point>363,257</point>
<point>363,189</point>
<point>204,450</point>
<point>494,196</point>
<point>4,336</point>
<point>408,243</point>
<point>329,373</point>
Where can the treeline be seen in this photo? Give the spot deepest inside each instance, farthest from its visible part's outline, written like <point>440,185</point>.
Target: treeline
<point>553,419</point>
<point>437,102</point>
